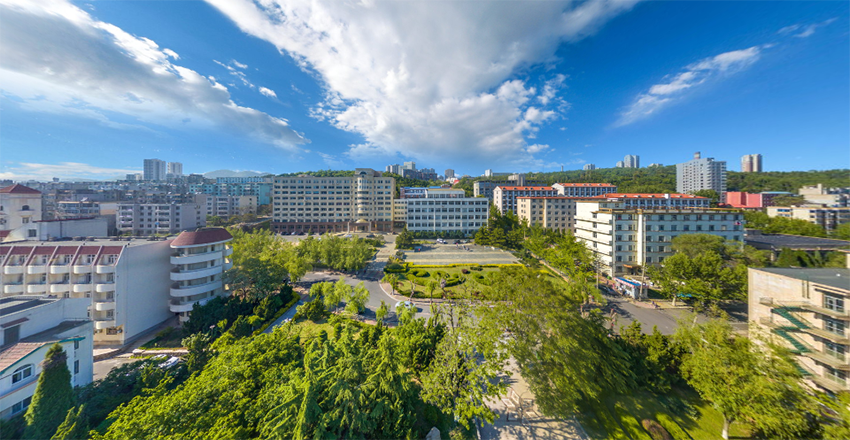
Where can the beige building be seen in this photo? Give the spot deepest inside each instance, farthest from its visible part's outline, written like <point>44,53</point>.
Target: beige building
<point>828,218</point>
<point>807,311</point>
<point>835,197</point>
<point>20,206</point>
<point>548,212</point>
<point>363,202</point>
<point>505,197</point>
<point>227,206</point>
<point>623,239</point>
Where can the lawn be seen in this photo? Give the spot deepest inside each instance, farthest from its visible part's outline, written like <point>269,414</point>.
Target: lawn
<point>683,414</point>
<point>471,285</point>
<point>166,339</point>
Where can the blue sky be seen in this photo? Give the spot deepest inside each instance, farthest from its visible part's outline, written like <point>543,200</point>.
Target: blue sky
<point>90,89</point>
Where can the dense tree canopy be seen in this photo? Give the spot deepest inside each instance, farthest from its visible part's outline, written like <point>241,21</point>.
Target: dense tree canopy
<point>782,225</point>
<point>53,396</point>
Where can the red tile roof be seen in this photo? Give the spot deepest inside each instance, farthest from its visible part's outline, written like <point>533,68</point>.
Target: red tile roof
<point>647,196</point>
<point>15,353</point>
<point>19,189</point>
<point>586,184</point>
<point>526,188</point>
<point>203,236</point>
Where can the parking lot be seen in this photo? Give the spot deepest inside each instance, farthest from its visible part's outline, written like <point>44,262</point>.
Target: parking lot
<point>450,253</point>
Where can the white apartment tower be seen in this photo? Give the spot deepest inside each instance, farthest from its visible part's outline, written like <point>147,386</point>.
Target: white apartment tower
<point>701,173</point>
<point>199,260</point>
<point>154,170</point>
<point>631,161</point>
<point>589,167</point>
<point>443,210</point>
<point>751,163</point>
<point>175,169</point>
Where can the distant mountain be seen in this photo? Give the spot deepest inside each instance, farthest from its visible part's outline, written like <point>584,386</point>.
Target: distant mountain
<point>230,173</point>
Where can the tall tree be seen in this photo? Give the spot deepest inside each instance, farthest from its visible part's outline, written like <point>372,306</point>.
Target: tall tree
<point>53,396</point>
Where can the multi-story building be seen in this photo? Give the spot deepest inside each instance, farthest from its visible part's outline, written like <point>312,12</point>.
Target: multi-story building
<point>259,187</point>
<point>807,311</point>
<point>827,218</point>
<point>72,209</point>
<point>505,197</point>
<point>589,167</point>
<point>484,189</point>
<point>620,164</point>
<point>548,212</point>
<point>583,189</point>
<point>160,218</point>
<point>199,260</point>
<point>625,238</point>
<point>154,170</point>
<point>651,201</point>
<point>19,205</point>
<point>631,161</point>
<point>751,163</point>
<point>227,206</point>
<point>362,202</point>
<point>655,165</point>
<point>175,169</point>
<point>832,197</point>
<point>31,326</point>
<point>449,174</point>
<point>443,210</point>
<point>745,200</point>
<point>131,286</point>
<point>701,173</point>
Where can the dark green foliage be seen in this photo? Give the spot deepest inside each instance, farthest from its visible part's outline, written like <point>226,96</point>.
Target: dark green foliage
<point>504,231</point>
<point>269,306</point>
<point>654,358</point>
<point>781,225</point>
<point>404,240</point>
<point>418,343</point>
<point>230,308</point>
<point>655,430</point>
<point>790,181</point>
<point>712,195</point>
<point>314,311</point>
<point>53,396</point>
<point>336,252</point>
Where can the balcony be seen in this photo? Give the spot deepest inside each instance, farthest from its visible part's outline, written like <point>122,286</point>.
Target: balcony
<point>834,337</point>
<point>100,325</point>
<point>195,258</point>
<point>830,384</point>
<point>228,264</point>
<point>180,307</point>
<point>59,269</point>
<point>105,287</point>
<point>13,270</point>
<point>60,288</point>
<point>102,306</point>
<point>82,288</point>
<point>37,288</point>
<point>36,269</point>
<point>185,275</point>
<point>178,292</point>
<point>832,361</point>
<point>13,288</point>
<point>82,268</point>
<point>105,268</point>
<point>838,314</point>
<point>227,251</point>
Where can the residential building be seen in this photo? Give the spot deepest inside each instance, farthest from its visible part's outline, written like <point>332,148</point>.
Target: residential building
<point>175,169</point>
<point>443,210</point>
<point>620,164</point>
<point>130,286</point>
<point>653,201</point>
<point>751,163</point>
<point>48,230</point>
<point>631,161</point>
<point>828,218</point>
<point>31,325</point>
<point>134,177</point>
<point>549,212</point>
<point>655,165</point>
<point>160,218</point>
<point>583,189</point>
<point>625,238</point>
<point>589,167</point>
<point>449,174</point>
<point>409,192</point>
<point>490,173</point>
<point>74,209</point>
<point>200,260</point>
<point>701,173</point>
<point>807,311</point>
<point>505,197</point>
<point>832,197</point>
<point>19,205</point>
<point>775,243</point>
<point>745,200</point>
<point>259,187</point>
<point>484,189</point>
<point>227,206</point>
<point>394,169</point>
<point>363,202</point>
<point>154,170</point>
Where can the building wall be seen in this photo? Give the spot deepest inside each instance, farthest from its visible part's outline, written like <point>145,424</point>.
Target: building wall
<point>142,289</point>
<point>445,210</point>
<point>828,218</point>
<point>551,213</point>
<point>159,218</point>
<point>699,174</point>
<point>505,197</point>
<point>17,210</point>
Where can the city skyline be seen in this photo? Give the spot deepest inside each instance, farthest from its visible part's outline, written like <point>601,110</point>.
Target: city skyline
<point>545,90</point>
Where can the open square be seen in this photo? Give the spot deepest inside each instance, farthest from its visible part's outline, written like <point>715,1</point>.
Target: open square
<point>432,253</point>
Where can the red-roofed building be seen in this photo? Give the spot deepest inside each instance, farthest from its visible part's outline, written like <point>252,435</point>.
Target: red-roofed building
<point>505,197</point>
<point>654,200</point>
<point>19,206</point>
<point>199,263</point>
<point>584,189</point>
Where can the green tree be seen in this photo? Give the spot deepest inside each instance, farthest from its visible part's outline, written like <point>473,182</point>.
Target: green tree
<point>839,427</point>
<point>431,287</point>
<point>404,240</point>
<point>842,232</point>
<point>744,381</point>
<point>392,280</point>
<point>53,396</point>
<point>357,299</point>
<point>712,195</point>
<point>788,200</point>
<point>382,312</point>
<point>74,426</point>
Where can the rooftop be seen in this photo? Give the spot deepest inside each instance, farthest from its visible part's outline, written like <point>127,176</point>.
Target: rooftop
<point>648,196</point>
<point>526,188</point>
<point>201,236</point>
<point>16,304</point>
<point>836,278</point>
<point>792,241</point>
<point>18,189</point>
<point>605,185</point>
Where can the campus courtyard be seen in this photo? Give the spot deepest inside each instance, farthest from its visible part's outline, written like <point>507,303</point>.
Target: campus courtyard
<point>434,253</point>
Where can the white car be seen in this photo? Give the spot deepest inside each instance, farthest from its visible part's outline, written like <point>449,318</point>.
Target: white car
<point>406,304</point>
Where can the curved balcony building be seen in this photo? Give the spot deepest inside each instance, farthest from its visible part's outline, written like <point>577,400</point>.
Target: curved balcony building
<point>199,259</point>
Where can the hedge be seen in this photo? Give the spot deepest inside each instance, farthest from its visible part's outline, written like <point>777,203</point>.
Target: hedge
<point>630,424</point>
<point>672,427</point>
<point>287,306</point>
<point>471,266</point>
<point>396,268</point>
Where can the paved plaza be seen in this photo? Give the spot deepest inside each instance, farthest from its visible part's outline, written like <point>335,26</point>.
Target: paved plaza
<point>433,253</point>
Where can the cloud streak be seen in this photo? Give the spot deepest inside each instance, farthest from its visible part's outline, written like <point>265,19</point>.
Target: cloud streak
<point>56,57</point>
<point>675,87</point>
<point>404,74</point>
<point>65,170</point>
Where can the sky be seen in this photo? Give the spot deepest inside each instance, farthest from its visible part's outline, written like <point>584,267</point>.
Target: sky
<point>88,90</point>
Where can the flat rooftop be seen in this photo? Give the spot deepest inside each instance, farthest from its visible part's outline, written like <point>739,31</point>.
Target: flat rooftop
<point>16,304</point>
<point>836,278</point>
<point>109,241</point>
<point>793,241</point>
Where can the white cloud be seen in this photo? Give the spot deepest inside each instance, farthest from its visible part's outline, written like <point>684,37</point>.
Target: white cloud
<point>239,65</point>
<point>427,79</point>
<point>536,148</point>
<point>65,170</point>
<point>810,29</point>
<point>664,94</point>
<point>268,92</point>
<point>240,75</point>
<point>55,57</point>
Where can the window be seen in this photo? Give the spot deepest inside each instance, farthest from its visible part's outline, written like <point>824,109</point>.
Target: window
<point>834,303</point>
<point>77,367</point>
<point>22,405</point>
<point>76,345</point>
<point>835,350</point>
<point>22,373</point>
<point>833,325</point>
<point>12,334</point>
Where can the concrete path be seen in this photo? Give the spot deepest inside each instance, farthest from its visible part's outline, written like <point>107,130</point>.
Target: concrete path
<point>287,315</point>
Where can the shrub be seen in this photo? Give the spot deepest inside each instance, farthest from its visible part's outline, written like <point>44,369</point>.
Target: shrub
<point>656,431</point>
<point>313,310</point>
<point>419,273</point>
<point>673,429</point>
<point>476,268</point>
<point>464,271</point>
<point>630,424</point>
<point>394,268</point>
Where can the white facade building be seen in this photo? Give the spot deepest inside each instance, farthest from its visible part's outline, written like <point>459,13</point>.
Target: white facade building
<point>624,238</point>
<point>631,161</point>
<point>701,173</point>
<point>583,189</point>
<point>363,202</point>
<point>30,326</point>
<point>19,206</point>
<point>443,210</point>
<point>154,170</point>
<point>227,206</point>
<point>160,218</point>
<point>751,163</point>
<point>200,260</point>
<point>505,197</point>
<point>175,169</point>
